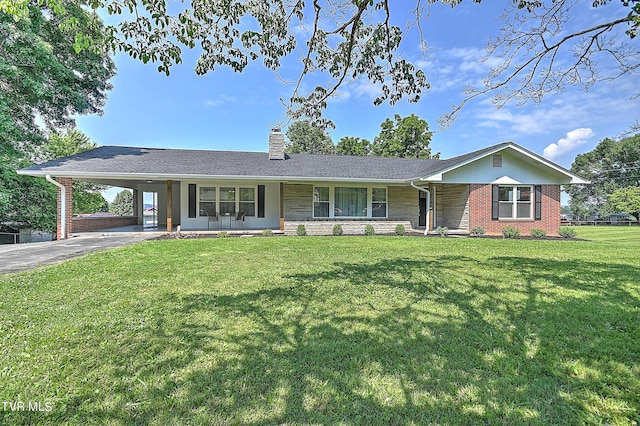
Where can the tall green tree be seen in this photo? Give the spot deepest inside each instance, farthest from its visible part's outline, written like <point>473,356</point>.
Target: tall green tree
<point>626,200</point>
<point>353,146</point>
<point>610,166</point>
<point>404,137</point>
<point>44,83</point>
<point>305,137</point>
<point>123,203</point>
<point>363,39</point>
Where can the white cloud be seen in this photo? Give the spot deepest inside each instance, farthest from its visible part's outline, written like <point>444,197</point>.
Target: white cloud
<point>221,100</point>
<point>573,140</point>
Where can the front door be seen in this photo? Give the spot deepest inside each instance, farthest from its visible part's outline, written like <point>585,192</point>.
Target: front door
<point>422,219</point>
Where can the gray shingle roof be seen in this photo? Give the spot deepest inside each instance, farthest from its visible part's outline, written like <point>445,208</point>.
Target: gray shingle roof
<point>198,163</point>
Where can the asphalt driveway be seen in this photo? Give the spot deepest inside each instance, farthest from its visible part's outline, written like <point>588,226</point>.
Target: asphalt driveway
<point>22,257</point>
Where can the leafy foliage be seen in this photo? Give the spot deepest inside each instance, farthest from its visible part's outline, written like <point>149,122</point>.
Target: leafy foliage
<point>567,232</point>
<point>477,231</point>
<point>337,230</point>
<point>626,200</point>
<point>349,40</point>
<point>538,233</point>
<point>123,203</point>
<point>510,232</point>
<point>443,231</point>
<point>301,231</point>
<point>400,230</point>
<point>406,137</point>
<point>41,75</point>
<point>305,137</point>
<point>369,230</point>
<point>353,146</point>
<point>610,166</point>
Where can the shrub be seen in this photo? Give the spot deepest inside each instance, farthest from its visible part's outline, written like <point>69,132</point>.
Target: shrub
<point>510,232</point>
<point>567,232</point>
<point>442,231</point>
<point>337,230</point>
<point>538,233</point>
<point>477,231</point>
<point>301,231</point>
<point>267,232</point>
<point>368,230</point>
<point>400,229</point>
<point>223,234</point>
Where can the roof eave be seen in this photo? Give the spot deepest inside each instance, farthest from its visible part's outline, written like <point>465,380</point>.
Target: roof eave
<point>157,176</point>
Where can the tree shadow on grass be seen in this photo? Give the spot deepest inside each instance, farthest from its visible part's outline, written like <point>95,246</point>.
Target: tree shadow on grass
<point>400,341</point>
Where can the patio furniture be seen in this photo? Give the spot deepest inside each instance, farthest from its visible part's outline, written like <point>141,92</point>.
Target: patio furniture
<point>240,219</point>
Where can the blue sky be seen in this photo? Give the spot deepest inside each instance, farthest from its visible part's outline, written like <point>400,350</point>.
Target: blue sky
<point>224,110</point>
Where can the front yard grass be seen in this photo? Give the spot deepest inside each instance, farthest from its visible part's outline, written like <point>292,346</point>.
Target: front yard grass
<point>328,330</point>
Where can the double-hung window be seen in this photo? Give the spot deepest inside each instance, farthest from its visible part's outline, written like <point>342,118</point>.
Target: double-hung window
<point>515,202</point>
<point>321,201</point>
<point>247,203</point>
<point>207,201</point>
<point>227,201</point>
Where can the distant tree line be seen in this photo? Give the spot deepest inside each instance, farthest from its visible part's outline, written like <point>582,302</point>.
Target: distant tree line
<point>401,137</point>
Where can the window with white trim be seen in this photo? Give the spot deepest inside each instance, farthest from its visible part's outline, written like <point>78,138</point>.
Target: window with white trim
<point>349,202</point>
<point>207,201</point>
<point>247,202</point>
<point>515,202</point>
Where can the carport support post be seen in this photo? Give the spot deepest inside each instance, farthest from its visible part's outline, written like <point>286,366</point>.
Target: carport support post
<point>65,206</point>
<point>169,205</point>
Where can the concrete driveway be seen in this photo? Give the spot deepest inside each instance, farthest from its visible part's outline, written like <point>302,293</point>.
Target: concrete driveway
<point>22,257</point>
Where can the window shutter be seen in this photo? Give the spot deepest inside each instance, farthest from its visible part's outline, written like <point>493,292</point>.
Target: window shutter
<point>192,200</point>
<point>495,204</point>
<point>261,200</point>
<point>538,192</point>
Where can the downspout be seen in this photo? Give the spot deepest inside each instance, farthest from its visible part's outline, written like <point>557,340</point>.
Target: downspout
<point>426,228</point>
<point>63,206</point>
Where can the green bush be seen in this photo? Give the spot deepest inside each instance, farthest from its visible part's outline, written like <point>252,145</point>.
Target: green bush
<point>337,230</point>
<point>368,230</point>
<point>567,232</point>
<point>538,233</point>
<point>510,232</point>
<point>477,231</point>
<point>400,229</point>
<point>267,232</point>
<point>301,231</point>
<point>442,231</point>
<point>223,234</point>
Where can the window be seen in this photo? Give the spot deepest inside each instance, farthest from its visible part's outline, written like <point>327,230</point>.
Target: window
<point>515,202</point>
<point>379,202</point>
<point>247,203</point>
<point>227,201</point>
<point>349,202</point>
<point>207,201</point>
<point>321,201</point>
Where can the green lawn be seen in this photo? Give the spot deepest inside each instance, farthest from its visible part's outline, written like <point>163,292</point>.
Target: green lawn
<point>329,330</point>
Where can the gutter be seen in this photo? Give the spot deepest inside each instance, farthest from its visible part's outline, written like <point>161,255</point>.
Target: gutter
<point>426,228</point>
<point>63,207</point>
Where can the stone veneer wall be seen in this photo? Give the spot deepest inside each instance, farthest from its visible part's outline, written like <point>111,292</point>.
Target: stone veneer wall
<point>298,202</point>
<point>480,202</point>
<point>452,206</point>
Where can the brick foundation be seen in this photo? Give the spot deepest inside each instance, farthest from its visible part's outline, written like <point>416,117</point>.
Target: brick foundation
<point>480,212</point>
<point>88,224</point>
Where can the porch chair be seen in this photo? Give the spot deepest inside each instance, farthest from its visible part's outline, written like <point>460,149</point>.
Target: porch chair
<point>212,218</point>
<point>240,218</point>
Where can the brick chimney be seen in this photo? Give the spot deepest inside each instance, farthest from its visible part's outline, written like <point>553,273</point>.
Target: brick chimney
<point>276,145</point>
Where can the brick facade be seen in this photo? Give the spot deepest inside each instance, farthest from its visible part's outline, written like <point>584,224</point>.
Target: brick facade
<point>480,212</point>
<point>88,224</point>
